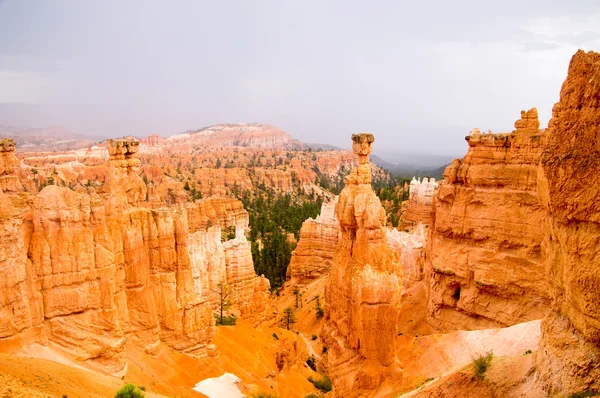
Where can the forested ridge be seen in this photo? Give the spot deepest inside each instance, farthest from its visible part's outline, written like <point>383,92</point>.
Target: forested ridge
<point>272,217</point>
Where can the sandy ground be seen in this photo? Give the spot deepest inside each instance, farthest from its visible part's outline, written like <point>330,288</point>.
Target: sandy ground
<point>34,377</point>
<point>225,386</point>
<point>431,363</point>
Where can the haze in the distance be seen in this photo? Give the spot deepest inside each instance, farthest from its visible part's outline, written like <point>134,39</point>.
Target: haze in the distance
<point>418,75</point>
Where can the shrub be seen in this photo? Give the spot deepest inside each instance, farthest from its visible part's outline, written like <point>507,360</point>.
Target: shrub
<point>227,320</point>
<point>527,352</point>
<point>312,362</point>
<point>323,384</point>
<point>275,336</point>
<point>129,391</point>
<point>481,364</point>
<point>314,337</point>
<point>313,395</point>
<point>324,350</point>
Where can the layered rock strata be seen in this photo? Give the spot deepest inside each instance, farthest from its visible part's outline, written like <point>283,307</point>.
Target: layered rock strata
<point>313,255</point>
<point>8,166</point>
<point>411,250</point>
<point>484,249</point>
<point>420,201</point>
<point>363,290</point>
<point>90,273</point>
<point>569,189</point>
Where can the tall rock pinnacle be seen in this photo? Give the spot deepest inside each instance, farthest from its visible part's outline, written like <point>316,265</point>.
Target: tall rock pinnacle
<point>364,289</point>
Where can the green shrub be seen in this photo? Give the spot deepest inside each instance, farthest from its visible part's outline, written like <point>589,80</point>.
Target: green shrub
<point>323,384</point>
<point>312,362</point>
<point>227,320</point>
<point>129,391</point>
<point>313,395</point>
<point>482,363</point>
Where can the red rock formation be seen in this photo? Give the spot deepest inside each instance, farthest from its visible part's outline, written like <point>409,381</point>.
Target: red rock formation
<point>8,165</point>
<point>251,135</point>
<point>226,212</point>
<point>420,201</point>
<point>411,250</point>
<point>484,247</point>
<point>569,188</point>
<point>313,255</point>
<point>90,272</point>
<point>363,291</point>
<point>152,140</point>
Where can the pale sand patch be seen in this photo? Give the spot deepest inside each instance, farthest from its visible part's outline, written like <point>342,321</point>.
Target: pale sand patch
<point>224,386</point>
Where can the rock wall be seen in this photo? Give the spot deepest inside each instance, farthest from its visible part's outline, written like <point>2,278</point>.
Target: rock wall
<point>411,250</point>
<point>313,255</point>
<point>8,165</point>
<point>484,249</point>
<point>420,201</point>
<point>91,272</point>
<point>251,135</point>
<point>363,291</point>
<point>569,188</point>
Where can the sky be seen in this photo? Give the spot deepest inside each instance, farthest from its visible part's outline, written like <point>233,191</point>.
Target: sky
<point>417,74</point>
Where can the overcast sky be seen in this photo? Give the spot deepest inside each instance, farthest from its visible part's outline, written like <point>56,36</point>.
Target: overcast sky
<point>417,74</point>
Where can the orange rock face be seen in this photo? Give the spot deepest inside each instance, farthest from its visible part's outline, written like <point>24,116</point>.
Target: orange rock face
<point>420,201</point>
<point>363,290</point>
<point>251,135</point>
<point>411,250</point>
<point>569,186</point>
<point>8,165</point>
<point>90,272</point>
<point>313,255</point>
<point>484,249</point>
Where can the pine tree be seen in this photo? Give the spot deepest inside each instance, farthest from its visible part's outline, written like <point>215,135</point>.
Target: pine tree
<point>224,292</point>
<point>289,317</point>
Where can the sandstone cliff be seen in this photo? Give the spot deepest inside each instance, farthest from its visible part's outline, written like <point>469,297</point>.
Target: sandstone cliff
<point>411,250</point>
<point>92,272</point>
<point>569,189</point>
<point>8,165</point>
<point>484,250</point>
<point>363,290</point>
<point>420,201</point>
<point>252,135</point>
<point>313,255</point>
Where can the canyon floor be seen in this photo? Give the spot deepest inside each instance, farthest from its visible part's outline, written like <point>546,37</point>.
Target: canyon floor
<point>434,365</point>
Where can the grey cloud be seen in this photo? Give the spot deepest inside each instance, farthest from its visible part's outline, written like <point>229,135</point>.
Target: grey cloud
<point>318,69</point>
<point>539,46</point>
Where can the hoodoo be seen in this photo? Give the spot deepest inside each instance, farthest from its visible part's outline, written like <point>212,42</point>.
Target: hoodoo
<point>363,293</point>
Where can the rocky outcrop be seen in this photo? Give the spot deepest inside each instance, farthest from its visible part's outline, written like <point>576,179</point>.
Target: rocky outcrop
<point>152,140</point>
<point>252,135</point>
<point>420,201</point>
<point>8,165</point>
<point>91,272</point>
<point>484,250</point>
<point>568,185</point>
<point>411,250</point>
<point>363,290</point>
<point>313,255</point>
<point>226,212</point>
